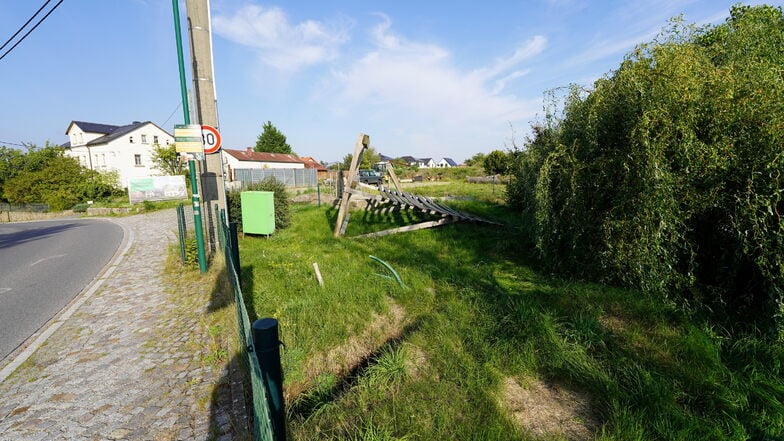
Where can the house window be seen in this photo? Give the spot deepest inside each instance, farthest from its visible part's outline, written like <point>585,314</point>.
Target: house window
<point>155,139</point>
<point>130,139</point>
<point>137,159</point>
<point>144,139</point>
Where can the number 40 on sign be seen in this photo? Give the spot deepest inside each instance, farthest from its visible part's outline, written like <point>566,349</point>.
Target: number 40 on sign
<point>211,139</point>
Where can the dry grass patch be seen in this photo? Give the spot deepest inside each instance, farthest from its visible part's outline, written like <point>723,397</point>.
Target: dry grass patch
<point>416,361</point>
<point>546,409</point>
<point>341,359</point>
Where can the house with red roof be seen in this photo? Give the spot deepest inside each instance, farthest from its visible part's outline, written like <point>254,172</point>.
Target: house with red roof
<point>249,159</point>
<point>310,162</point>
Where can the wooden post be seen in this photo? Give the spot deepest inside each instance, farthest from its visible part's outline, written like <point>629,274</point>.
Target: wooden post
<point>419,226</point>
<point>393,176</point>
<point>318,274</point>
<point>362,143</point>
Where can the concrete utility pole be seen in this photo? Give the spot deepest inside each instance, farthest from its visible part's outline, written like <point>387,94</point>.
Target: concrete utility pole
<point>199,28</point>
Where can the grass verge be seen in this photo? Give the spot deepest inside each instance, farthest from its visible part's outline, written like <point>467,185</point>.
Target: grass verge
<point>481,345</point>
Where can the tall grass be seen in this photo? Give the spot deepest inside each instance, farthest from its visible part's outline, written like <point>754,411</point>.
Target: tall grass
<point>367,359</point>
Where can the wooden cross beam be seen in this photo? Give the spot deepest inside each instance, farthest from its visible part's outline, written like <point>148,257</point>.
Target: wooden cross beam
<point>362,144</point>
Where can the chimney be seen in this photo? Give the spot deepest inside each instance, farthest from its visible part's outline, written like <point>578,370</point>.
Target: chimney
<point>249,150</point>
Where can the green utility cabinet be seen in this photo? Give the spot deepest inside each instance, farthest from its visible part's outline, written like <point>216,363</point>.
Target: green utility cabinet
<point>258,212</point>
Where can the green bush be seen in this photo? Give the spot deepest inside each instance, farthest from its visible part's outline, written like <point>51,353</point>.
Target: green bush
<point>79,208</point>
<point>451,173</point>
<point>667,176</point>
<point>281,198</point>
<point>48,176</point>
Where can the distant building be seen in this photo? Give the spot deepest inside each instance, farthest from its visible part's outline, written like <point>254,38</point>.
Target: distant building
<point>126,149</point>
<point>235,159</point>
<point>426,163</point>
<point>312,163</point>
<point>421,162</point>
<point>446,163</point>
<point>410,160</point>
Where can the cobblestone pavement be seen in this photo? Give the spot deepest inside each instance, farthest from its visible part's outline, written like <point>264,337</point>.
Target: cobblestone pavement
<point>124,366</point>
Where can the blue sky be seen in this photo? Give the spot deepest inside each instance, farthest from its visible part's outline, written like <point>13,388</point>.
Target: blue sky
<point>427,79</point>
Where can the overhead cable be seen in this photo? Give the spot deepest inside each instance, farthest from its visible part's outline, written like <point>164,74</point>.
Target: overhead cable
<point>11,143</point>
<point>31,30</point>
<point>25,25</point>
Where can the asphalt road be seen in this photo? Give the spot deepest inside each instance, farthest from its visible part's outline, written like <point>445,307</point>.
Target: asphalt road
<point>43,266</point>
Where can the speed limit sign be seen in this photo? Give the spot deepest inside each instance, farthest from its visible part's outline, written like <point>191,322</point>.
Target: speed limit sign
<point>211,139</point>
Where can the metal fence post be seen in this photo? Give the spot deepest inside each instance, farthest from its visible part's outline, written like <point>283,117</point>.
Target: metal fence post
<point>235,248</point>
<point>267,346</point>
<point>219,226</point>
<point>181,228</point>
<point>223,224</point>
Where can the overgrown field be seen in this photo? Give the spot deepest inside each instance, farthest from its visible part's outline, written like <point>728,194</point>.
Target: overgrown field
<point>479,344</point>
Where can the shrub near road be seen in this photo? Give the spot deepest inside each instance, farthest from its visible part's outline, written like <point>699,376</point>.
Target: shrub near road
<point>481,345</point>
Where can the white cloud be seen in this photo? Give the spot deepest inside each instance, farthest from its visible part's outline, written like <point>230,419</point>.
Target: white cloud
<point>500,84</point>
<point>607,48</point>
<point>420,82</point>
<point>633,23</point>
<point>527,50</point>
<point>281,44</point>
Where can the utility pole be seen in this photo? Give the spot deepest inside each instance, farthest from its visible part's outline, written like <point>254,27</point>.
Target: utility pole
<point>197,222</point>
<point>199,28</point>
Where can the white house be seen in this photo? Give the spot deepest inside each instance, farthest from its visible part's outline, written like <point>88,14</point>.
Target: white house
<point>446,163</point>
<point>125,149</point>
<point>410,160</point>
<point>426,163</point>
<point>247,158</point>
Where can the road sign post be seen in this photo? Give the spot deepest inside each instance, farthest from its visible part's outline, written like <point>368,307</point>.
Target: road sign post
<point>187,138</point>
<point>197,218</point>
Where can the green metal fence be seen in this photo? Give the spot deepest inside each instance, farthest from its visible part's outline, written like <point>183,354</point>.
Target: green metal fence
<point>262,425</point>
<point>182,230</point>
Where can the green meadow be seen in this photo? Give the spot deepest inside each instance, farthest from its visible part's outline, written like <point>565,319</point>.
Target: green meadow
<point>479,343</point>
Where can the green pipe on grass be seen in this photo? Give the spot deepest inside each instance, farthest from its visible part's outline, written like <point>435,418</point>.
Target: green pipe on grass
<point>394,273</point>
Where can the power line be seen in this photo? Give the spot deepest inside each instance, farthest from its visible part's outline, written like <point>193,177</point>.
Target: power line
<point>171,114</point>
<point>32,29</point>
<point>12,143</point>
<point>24,25</point>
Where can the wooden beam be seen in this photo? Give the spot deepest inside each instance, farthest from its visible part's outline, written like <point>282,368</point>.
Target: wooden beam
<point>419,226</point>
<point>345,224</point>
<point>391,170</point>
<point>362,143</point>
